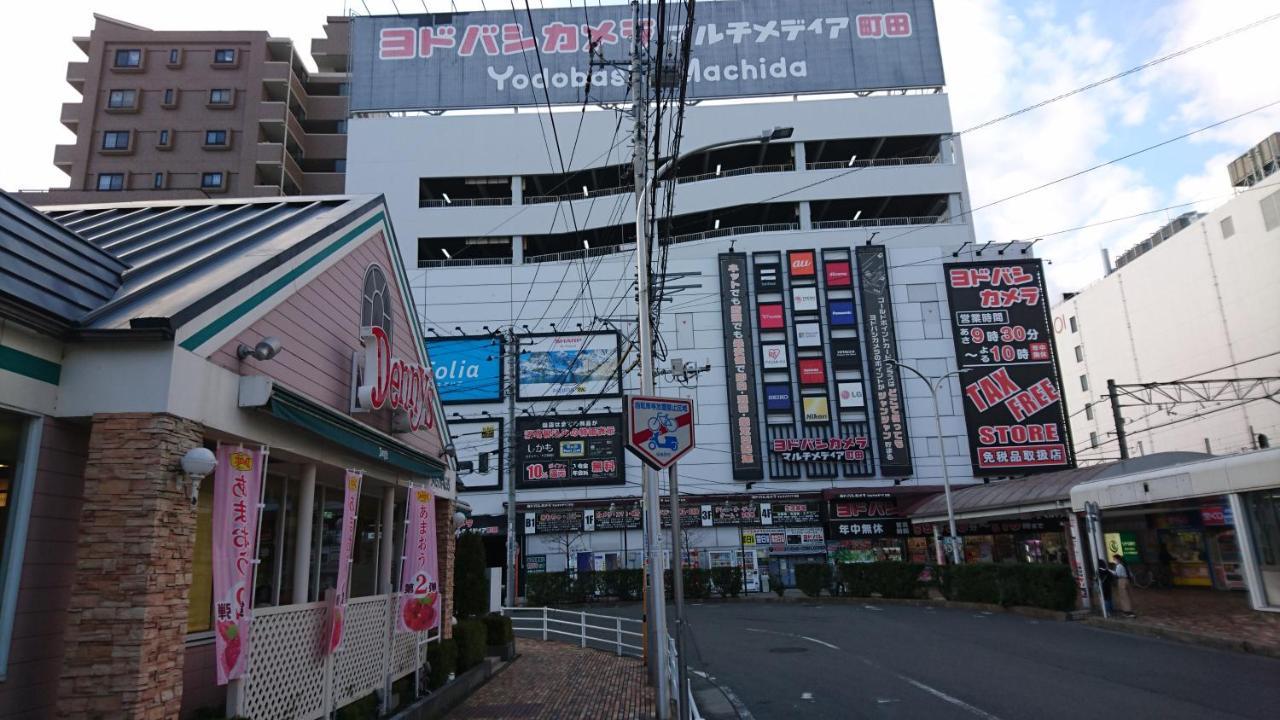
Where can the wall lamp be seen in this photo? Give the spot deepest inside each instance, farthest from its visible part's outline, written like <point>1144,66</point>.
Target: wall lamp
<point>196,464</point>
<point>267,348</point>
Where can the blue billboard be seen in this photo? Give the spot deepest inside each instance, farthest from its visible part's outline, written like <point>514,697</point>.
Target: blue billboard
<point>467,369</point>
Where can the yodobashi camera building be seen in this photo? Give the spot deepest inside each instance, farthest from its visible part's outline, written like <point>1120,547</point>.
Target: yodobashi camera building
<point>803,235</point>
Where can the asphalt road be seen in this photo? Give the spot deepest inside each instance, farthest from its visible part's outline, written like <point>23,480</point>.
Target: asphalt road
<point>871,661</point>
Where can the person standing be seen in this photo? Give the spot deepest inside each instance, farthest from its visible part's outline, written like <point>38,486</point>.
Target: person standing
<point>1124,603</point>
<point>1107,580</point>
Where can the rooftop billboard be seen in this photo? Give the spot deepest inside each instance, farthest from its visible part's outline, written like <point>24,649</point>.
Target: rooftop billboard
<point>740,48</point>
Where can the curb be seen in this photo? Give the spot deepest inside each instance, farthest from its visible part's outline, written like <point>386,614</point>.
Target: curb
<point>1032,612</point>
<point>1217,642</point>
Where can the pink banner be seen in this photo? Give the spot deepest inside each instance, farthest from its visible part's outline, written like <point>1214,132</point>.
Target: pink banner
<point>237,489</point>
<point>350,508</point>
<point>420,601</point>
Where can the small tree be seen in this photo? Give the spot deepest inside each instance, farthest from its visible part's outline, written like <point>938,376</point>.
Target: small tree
<point>470,579</point>
<point>567,542</point>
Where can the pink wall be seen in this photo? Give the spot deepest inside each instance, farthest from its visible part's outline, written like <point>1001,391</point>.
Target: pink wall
<point>320,325</point>
<point>48,566</point>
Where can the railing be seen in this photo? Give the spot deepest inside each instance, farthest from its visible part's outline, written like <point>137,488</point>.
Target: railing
<point>736,230</point>
<point>879,222</point>
<point>580,254</point>
<point>875,162</point>
<point>463,202</point>
<point>601,632</point>
<point>463,262</point>
<point>602,192</point>
<point>749,170</point>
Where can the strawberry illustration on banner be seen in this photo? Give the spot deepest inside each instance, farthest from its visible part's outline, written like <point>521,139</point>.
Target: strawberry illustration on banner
<point>350,506</point>
<point>237,492</point>
<point>420,598</point>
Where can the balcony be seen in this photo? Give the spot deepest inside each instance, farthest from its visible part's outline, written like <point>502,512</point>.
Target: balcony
<point>63,156</point>
<point>271,111</point>
<point>269,153</point>
<point>76,74</point>
<point>325,146</point>
<point>326,107</point>
<point>275,71</point>
<point>71,116</point>
<point>323,183</point>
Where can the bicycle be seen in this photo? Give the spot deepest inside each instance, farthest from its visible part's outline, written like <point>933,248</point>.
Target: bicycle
<point>1146,577</point>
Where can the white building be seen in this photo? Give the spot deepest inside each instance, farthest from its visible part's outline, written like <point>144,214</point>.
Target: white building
<point>1202,304</point>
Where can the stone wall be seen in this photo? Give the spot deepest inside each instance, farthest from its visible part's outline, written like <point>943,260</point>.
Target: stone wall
<point>445,545</point>
<point>128,607</point>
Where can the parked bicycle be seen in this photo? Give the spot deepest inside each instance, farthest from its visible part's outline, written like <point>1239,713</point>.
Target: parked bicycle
<point>1148,576</point>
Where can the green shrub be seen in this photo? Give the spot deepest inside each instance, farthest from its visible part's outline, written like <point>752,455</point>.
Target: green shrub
<point>497,629</point>
<point>727,581</point>
<point>812,577</point>
<point>882,579</point>
<point>442,656</point>
<point>586,586</point>
<point>469,635</point>
<point>548,589</point>
<point>470,579</point>
<point>627,583</point>
<point>775,584</point>
<point>1045,586</point>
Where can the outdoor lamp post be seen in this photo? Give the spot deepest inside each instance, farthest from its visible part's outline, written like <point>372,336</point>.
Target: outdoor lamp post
<point>935,384</point>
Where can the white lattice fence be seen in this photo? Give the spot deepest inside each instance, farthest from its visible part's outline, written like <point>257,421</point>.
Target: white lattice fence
<point>404,654</point>
<point>360,667</point>
<point>287,667</point>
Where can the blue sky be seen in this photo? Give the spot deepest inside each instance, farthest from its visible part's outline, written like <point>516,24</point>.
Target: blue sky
<point>999,55</point>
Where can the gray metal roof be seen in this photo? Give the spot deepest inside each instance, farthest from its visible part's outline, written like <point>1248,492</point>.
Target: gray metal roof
<point>55,275</point>
<point>1047,488</point>
<point>185,256</point>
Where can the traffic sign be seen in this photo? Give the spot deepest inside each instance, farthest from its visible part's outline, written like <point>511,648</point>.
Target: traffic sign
<point>659,430</point>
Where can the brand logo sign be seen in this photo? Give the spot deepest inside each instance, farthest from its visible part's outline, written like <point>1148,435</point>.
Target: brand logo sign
<point>388,380</point>
<point>777,398</point>
<point>851,395</point>
<point>568,365</point>
<point>467,369</point>
<point>816,409</point>
<point>808,334</point>
<point>804,299</point>
<point>775,356</point>
<point>801,263</point>
<point>841,313</point>
<point>771,316</point>
<point>812,371</point>
<point>767,280</point>
<point>846,354</point>
<point>838,275</point>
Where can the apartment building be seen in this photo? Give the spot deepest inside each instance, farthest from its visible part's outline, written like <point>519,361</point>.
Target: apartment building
<point>182,114</point>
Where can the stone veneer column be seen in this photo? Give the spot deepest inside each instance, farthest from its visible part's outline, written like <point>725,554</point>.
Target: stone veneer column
<point>445,545</point>
<point>127,616</point>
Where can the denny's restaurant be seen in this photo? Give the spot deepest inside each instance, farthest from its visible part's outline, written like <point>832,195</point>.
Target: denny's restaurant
<point>217,427</point>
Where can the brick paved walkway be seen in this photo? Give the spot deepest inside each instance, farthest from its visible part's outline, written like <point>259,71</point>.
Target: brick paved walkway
<point>1206,612</point>
<point>552,680</point>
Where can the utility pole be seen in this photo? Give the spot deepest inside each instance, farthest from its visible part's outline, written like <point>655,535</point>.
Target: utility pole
<point>677,591</point>
<point>656,610</point>
<point>512,352</point>
<point>1115,417</point>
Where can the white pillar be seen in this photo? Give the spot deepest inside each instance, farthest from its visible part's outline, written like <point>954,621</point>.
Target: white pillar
<point>302,540</point>
<point>386,560</point>
<point>1248,554</point>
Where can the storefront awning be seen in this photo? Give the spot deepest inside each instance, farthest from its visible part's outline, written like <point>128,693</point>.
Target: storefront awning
<point>284,404</point>
<point>1202,478</point>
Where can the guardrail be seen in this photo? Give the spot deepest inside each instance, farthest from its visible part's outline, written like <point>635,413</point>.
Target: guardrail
<point>875,162</point>
<point>609,632</point>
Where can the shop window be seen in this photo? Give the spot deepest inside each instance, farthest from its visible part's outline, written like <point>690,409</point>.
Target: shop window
<point>200,599</point>
<point>16,433</point>
<point>1263,509</point>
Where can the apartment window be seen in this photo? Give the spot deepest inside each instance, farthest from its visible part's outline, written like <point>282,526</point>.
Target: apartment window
<point>215,138</point>
<point>119,99</point>
<point>1088,411</point>
<point>220,96</point>
<point>212,180</point>
<point>157,181</point>
<point>1084,383</point>
<point>111,181</point>
<point>175,57</point>
<point>131,58</point>
<point>1271,210</point>
<point>115,140</point>
<point>224,56</point>
<point>1093,439</point>
<point>1228,227</point>
<point>165,140</point>
<point>170,98</point>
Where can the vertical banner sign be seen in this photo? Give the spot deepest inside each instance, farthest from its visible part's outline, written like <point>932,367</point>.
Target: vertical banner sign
<point>739,368</point>
<point>894,444</point>
<point>1012,387</point>
<point>420,599</point>
<point>237,487</point>
<point>346,547</point>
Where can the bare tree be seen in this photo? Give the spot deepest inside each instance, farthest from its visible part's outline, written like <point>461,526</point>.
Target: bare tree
<point>567,542</point>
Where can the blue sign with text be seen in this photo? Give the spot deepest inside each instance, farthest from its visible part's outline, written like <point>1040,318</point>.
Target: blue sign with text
<point>841,313</point>
<point>467,369</point>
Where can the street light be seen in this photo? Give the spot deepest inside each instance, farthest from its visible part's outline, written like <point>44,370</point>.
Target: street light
<point>934,385</point>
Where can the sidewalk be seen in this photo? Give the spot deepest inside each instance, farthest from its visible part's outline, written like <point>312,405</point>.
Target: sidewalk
<point>552,680</point>
<point>1191,614</point>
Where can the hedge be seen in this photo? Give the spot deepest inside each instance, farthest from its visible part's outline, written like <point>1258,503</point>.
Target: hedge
<point>497,629</point>
<point>442,657</point>
<point>889,579</point>
<point>1044,586</point>
<point>812,577</point>
<point>470,578</point>
<point>727,581</point>
<point>469,635</point>
<point>559,588</point>
<point>697,584</point>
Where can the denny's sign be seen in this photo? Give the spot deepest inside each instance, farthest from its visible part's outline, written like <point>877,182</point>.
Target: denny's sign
<point>383,380</point>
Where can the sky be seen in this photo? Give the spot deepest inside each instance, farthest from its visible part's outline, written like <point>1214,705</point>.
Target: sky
<point>998,56</point>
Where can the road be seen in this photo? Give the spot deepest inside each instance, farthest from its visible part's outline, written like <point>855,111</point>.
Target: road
<point>887,661</point>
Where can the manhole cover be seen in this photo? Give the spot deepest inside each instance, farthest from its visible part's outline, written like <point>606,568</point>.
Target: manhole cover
<point>786,649</point>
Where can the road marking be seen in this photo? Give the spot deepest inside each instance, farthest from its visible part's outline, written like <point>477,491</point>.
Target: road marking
<point>807,696</point>
<point>793,635</point>
<point>979,712</point>
<point>820,642</point>
<point>872,607</point>
<point>738,707</point>
<point>886,701</point>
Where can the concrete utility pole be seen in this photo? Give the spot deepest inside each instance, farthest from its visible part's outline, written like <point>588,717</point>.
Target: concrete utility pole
<point>677,592</point>
<point>1117,419</point>
<point>512,351</point>
<point>656,605</point>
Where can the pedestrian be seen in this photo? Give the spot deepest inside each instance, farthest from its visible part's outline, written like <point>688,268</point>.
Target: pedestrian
<point>1106,579</point>
<point>1123,579</point>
